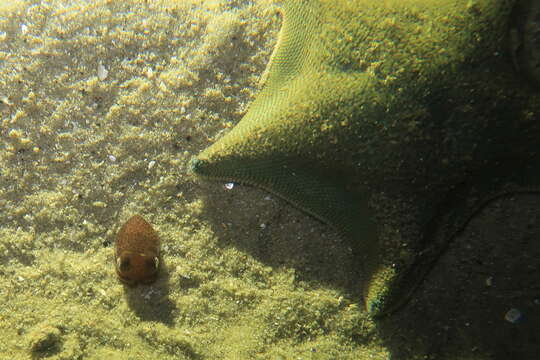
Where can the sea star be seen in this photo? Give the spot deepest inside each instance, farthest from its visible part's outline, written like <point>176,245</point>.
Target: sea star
<point>372,115</point>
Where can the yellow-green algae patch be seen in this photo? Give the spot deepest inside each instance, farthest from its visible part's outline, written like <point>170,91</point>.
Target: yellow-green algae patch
<point>245,276</point>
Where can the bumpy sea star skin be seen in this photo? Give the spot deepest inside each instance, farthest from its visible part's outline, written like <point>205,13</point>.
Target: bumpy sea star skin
<point>372,114</point>
<point>137,252</point>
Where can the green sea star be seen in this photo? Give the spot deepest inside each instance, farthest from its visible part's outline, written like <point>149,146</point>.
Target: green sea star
<point>372,115</point>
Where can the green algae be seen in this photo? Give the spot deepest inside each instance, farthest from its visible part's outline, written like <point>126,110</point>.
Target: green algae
<point>75,162</point>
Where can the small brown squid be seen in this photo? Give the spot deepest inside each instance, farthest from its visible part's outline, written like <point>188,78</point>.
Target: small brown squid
<point>137,252</point>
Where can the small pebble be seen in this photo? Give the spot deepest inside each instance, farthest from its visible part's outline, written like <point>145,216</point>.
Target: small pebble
<point>4,99</point>
<point>513,315</point>
<point>112,158</point>
<point>229,186</point>
<point>102,73</point>
<point>99,204</point>
<point>151,164</point>
<point>149,73</point>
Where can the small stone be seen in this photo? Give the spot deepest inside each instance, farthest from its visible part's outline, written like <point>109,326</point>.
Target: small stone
<point>102,72</point>
<point>151,164</point>
<point>4,99</point>
<point>513,315</point>
<point>15,134</point>
<point>99,204</point>
<point>229,186</point>
<point>112,158</point>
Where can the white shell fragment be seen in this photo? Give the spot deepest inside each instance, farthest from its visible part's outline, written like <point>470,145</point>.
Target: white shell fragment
<point>229,186</point>
<point>513,315</point>
<point>102,72</point>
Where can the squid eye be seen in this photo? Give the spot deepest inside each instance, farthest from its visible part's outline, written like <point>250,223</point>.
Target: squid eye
<point>123,264</point>
<point>153,263</point>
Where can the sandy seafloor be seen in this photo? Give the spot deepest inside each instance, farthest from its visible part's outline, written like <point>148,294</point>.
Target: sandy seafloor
<point>246,276</point>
